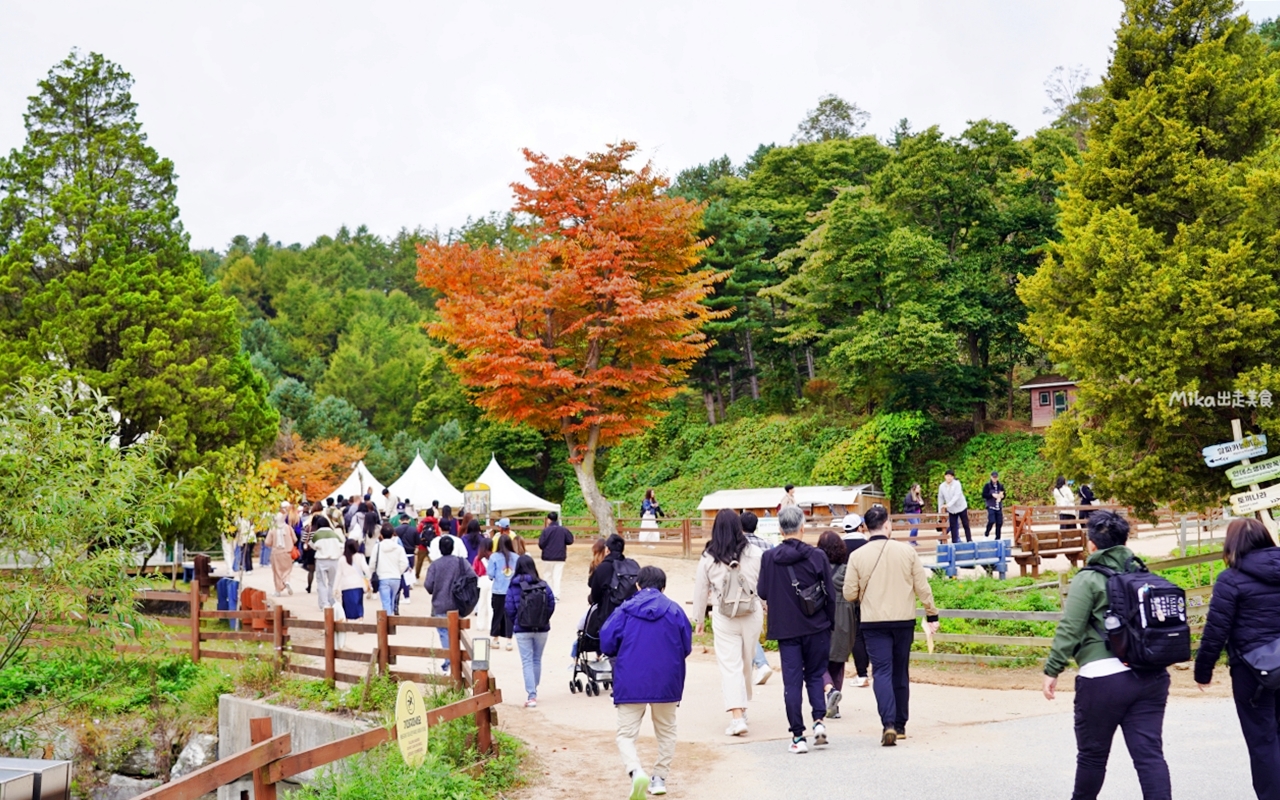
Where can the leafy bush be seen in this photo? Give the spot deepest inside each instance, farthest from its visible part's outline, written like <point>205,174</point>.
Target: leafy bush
<point>104,683</point>
<point>1027,476</point>
<point>382,773</point>
<point>878,452</point>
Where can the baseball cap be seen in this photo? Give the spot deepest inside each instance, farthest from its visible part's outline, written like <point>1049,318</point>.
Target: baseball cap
<point>851,522</point>
<point>504,523</point>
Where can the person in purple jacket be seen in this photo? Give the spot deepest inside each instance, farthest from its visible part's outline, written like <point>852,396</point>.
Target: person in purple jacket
<point>648,637</point>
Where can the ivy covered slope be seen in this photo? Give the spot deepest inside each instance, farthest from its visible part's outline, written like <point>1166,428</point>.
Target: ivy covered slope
<point>683,457</point>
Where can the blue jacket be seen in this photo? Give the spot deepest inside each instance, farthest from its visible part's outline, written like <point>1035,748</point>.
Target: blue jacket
<point>648,637</point>
<point>495,567</point>
<point>786,619</point>
<point>512,603</point>
<point>1242,613</point>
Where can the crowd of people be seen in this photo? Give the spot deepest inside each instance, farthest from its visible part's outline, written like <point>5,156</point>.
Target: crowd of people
<point>852,596</point>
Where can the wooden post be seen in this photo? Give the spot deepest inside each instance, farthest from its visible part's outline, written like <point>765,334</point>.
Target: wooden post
<point>383,646</point>
<point>260,731</point>
<point>484,735</point>
<point>330,651</point>
<point>195,622</point>
<point>278,615</point>
<point>1237,432</point>
<point>686,536</point>
<point>455,649</point>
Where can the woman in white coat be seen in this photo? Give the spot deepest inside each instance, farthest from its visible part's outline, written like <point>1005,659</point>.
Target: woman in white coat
<point>726,581</point>
<point>1064,498</point>
<point>389,563</point>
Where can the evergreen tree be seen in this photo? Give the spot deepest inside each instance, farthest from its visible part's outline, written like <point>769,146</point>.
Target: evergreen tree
<point>97,278</point>
<point>1165,279</point>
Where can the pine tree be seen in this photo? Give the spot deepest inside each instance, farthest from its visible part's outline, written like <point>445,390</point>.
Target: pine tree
<point>97,280</point>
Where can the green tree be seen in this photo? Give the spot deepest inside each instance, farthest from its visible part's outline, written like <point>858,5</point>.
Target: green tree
<point>1165,278</point>
<point>98,280</point>
<point>834,118</point>
<point>335,418</point>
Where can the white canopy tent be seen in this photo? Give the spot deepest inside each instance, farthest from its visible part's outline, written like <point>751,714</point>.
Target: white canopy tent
<point>359,483</point>
<point>420,485</point>
<point>506,497</point>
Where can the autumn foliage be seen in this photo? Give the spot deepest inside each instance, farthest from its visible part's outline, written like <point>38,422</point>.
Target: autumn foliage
<point>314,469</point>
<point>587,330</point>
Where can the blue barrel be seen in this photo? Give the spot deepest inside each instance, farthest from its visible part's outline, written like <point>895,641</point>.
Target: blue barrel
<point>188,572</point>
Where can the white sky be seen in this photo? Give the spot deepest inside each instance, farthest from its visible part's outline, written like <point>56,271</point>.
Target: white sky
<point>292,118</point>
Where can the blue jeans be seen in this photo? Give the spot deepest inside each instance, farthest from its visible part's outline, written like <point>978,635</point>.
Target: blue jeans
<point>388,588</point>
<point>444,644</point>
<point>264,556</point>
<point>531,646</point>
<point>759,661</point>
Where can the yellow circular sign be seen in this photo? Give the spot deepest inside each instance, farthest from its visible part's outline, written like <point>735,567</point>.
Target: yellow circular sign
<point>411,724</point>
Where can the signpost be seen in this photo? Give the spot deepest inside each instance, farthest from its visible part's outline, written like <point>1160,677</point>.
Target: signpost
<point>1255,500</point>
<point>1219,455</point>
<point>1247,473</point>
<point>476,499</point>
<point>411,724</point>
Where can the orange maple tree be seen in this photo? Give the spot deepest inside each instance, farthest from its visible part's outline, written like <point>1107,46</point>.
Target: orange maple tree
<point>585,332</point>
<point>314,469</point>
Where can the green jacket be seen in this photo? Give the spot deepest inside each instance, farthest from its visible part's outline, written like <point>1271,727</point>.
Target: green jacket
<point>1078,634</point>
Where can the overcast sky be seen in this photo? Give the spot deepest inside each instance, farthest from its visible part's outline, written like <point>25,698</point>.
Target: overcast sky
<point>292,118</point>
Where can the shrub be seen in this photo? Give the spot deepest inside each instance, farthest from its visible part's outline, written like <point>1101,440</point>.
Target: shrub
<point>879,452</point>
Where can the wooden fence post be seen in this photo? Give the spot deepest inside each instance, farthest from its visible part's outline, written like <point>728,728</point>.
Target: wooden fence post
<point>278,616</point>
<point>383,648</point>
<point>330,655</point>
<point>686,536</point>
<point>260,731</point>
<point>455,649</point>
<point>195,621</point>
<point>484,735</point>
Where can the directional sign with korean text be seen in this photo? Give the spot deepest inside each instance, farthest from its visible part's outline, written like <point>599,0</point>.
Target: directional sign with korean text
<point>1247,503</point>
<point>1219,455</point>
<point>1257,472</point>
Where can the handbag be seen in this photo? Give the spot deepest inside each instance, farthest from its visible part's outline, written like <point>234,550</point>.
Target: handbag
<point>374,581</point>
<point>1264,661</point>
<point>297,554</point>
<point>812,598</point>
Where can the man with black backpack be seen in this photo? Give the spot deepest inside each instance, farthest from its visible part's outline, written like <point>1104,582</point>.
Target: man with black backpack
<point>1123,626</point>
<point>450,580</point>
<point>795,583</point>
<point>614,581</point>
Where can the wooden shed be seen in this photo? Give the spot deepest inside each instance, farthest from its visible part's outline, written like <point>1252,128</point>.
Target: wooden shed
<point>1050,396</point>
<point>817,501</point>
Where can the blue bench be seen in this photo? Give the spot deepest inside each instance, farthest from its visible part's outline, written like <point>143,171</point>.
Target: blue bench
<point>992,556</point>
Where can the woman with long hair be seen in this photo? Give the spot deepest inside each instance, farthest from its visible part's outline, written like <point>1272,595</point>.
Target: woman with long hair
<point>448,523</point>
<point>483,611</point>
<point>726,580</point>
<point>844,630</point>
<point>531,634</point>
<point>501,567</point>
<point>598,551</point>
<point>389,563</point>
<point>371,527</point>
<point>1063,497</point>
<point>649,513</point>
<point>279,544</point>
<point>351,585</point>
<point>1242,618</point>
<point>471,537</point>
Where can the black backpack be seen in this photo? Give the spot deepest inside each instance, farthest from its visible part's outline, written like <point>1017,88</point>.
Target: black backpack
<point>466,592</point>
<point>534,612</point>
<point>623,586</point>
<point>1146,622</point>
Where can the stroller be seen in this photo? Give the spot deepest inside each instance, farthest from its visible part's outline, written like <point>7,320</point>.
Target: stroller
<point>598,671</point>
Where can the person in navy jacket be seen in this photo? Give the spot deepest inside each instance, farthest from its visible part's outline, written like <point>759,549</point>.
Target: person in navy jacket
<point>648,637</point>
<point>1242,617</point>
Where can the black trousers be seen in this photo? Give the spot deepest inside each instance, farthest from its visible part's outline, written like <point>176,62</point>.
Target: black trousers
<point>860,658</point>
<point>1065,517</point>
<point>890,652</point>
<point>995,519</point>
<point>804,662</point>
<point>1133,702</point>
<point>499,625</point>
<point>954,521</point>
<point>1260,724</point>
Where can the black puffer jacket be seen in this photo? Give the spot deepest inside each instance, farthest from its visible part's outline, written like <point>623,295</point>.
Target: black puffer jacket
<point>1242,614</point>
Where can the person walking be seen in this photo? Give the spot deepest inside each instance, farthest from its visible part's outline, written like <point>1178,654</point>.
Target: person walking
<point>352,584</point>
<point>389,565</point>
<point>1108,693</point>
<point>447,522</point>
<point>761,671</point>
<point>407,533</point>
<point>428,530</point>
<point>844,627</point>
<point>529,605</point>
<point>885,578</point>
<point>951,500</point>
<point>648,640</point>
<point>855,536</point>
<point>1242,618</point>
<point>1064,499</point>
<point>649,513</point>
<point>795,582</point>
<point>471,538</point>
<point>913,504</point>
<point>328,544</point>
<point>726,580</point>
<point>501,567</point>
<point>441,575</point>
<point>279,543</point>
<point>480,565</point>
<point>554,543</point>
<point>993,496</point>
<point>601,581</point>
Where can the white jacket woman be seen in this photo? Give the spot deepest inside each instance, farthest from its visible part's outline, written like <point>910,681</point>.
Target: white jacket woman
<point>389,563</point>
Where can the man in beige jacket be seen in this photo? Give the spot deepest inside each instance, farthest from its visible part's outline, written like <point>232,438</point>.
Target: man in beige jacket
<point>886,577</point>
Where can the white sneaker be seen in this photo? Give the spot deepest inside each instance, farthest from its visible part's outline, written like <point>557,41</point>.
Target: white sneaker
<point>861,683</point>
<point>657,785</point>
<point>798,746</point>
<point>639,785</point>
<point>819,734</point>
<point>288,589</point>
<point>737,727</point>
<point>762,675</point>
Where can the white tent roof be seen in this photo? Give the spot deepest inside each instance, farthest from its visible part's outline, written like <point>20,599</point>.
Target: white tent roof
<point>506,497</point>
<point>359,482</point>
<point>421,485</point>
<point>769,498</point>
